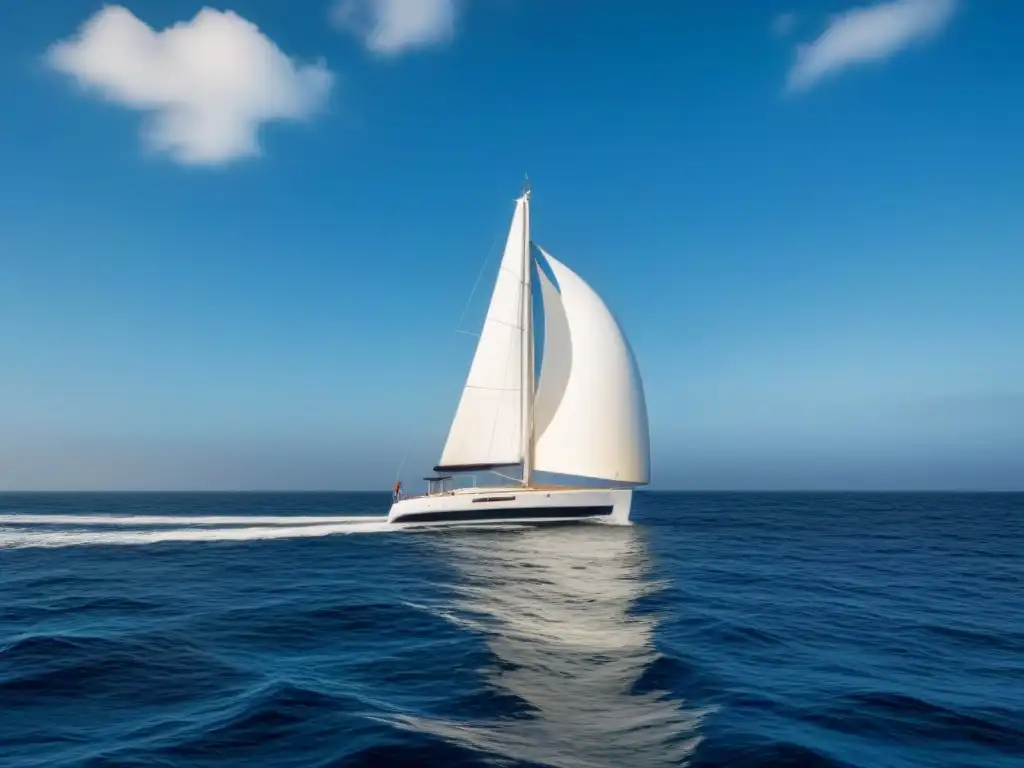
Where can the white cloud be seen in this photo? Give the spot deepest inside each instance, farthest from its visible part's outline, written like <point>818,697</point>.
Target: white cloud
<point>391,27</point>
<point>207,84</point>
<point>783,24</point>
<point>868,33</point>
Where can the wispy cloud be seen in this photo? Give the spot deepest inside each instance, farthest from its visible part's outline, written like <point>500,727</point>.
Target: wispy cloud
<point>865,34</point>
<point>390,27</point>
<point>207,85</point>
<point>784,23</point>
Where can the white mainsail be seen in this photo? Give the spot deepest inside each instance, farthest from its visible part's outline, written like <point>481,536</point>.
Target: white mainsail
<point>488,426</point>
<point>591,422</point>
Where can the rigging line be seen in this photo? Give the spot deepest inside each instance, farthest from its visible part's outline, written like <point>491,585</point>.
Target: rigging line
<point>502,322</point>
<point>487,260</point>
<point>480,274</point>
<point>506,477</point>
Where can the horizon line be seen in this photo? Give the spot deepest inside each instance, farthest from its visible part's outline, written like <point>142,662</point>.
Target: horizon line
<point>296,491</point>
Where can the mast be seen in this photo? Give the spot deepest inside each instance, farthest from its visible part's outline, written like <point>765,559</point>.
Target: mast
<point>527,346</point>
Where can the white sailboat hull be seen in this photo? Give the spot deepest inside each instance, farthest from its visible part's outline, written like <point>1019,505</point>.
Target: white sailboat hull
<point>482,506</point>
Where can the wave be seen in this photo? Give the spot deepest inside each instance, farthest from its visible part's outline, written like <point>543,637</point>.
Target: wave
<point>20,538</point>
<point>897,715</point>
<point>764,753</point>
<point>179,520</point>
<point>146,669</point>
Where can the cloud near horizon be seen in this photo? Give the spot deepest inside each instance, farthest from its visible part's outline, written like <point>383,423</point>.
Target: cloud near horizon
<point>207,85</point>
<point>391,27</point>
<point>865,34</point>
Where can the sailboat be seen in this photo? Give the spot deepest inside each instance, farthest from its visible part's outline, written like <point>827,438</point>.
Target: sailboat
<point>578,431</point>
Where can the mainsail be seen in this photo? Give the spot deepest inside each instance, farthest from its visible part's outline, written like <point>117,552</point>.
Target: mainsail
<point>487,430</point>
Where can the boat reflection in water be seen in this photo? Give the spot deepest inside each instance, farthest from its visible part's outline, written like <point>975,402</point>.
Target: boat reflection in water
<point>554,605</point>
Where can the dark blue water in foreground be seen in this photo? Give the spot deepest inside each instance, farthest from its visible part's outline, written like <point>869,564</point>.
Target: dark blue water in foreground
<point>720,630</point>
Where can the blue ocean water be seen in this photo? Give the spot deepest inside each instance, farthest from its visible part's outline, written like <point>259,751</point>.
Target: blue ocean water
<point>719,630</point>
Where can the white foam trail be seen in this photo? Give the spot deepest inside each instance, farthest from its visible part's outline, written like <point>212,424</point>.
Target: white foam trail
<point>179,520</point>
<point>23,538</point>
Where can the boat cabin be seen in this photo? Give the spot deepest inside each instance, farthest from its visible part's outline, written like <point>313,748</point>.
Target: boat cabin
<point>438,485</point>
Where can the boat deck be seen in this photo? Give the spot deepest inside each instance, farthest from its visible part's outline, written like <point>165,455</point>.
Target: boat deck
<point>496,489</point>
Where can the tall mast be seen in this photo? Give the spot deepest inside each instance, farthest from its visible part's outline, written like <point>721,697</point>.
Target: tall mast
<point>527,325</point>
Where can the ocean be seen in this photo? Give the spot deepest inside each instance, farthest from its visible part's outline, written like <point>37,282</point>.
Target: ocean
<point>831,630</point>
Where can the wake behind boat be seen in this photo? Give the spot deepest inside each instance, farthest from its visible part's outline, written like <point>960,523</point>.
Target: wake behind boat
<point>578,432</point>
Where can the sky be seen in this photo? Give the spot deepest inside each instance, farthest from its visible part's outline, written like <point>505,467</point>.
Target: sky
<point>237,242</point>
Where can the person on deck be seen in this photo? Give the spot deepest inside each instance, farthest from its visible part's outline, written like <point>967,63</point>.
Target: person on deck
<point>397,494</point>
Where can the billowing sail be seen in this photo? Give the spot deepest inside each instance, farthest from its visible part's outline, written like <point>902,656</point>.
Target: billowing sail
<point>590,417</point>
<point>488,426</point>
<point>557,357</point>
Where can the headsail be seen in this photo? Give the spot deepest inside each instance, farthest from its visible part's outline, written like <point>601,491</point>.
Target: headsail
<point>556,360</point>
<point>591,415</point>
<point>488,426</point>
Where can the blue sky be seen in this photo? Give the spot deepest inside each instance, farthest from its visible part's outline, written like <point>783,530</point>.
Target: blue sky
<point>235,256</point>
